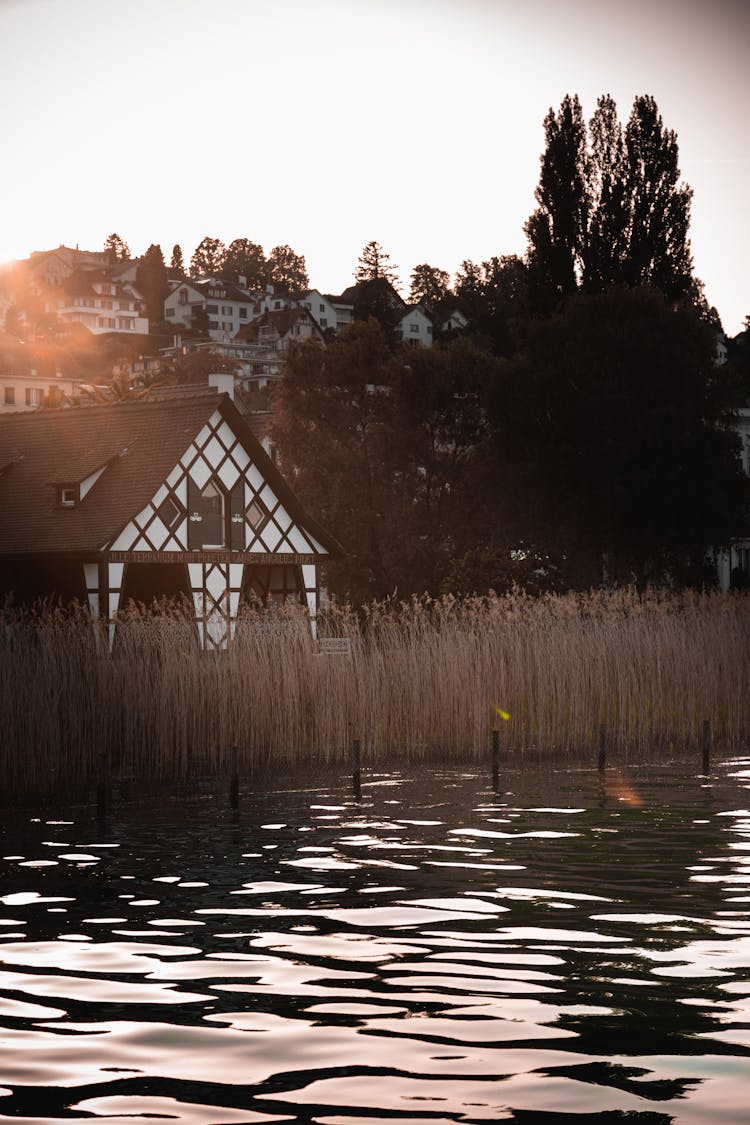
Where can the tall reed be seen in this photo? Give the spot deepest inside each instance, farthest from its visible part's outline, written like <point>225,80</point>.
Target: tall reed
<point>424,678</point>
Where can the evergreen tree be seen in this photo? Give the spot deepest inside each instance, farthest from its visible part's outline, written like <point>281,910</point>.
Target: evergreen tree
<point>151,280</point>
<point>177,263</point>
<point>374,263</point>
<point>116,249</point>
<point>208,258</point>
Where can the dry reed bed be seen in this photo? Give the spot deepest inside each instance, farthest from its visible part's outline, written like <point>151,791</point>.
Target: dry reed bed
<point>424,677</point>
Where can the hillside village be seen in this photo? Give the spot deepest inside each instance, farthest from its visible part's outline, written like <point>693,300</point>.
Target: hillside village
<point>74,321</point>
<point>83,327</point>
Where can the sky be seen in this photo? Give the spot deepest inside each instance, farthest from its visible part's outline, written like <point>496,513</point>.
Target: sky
<point>327,123</point>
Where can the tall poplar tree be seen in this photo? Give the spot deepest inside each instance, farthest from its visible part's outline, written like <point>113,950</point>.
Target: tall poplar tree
<point>607,240</point>
<point>612,208</point>
<point>151,279</point>
<point>658,247</point>
<point>557,229</point>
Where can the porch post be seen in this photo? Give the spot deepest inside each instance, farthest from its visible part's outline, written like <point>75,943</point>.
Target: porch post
<point>216,596</point>
<point>310,584</point>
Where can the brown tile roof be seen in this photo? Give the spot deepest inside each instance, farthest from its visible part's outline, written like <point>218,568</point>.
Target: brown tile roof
<point>282,320</point>
<point>140,441</point>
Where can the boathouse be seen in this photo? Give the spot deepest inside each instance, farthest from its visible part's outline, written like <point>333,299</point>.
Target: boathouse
<point>147,499</point>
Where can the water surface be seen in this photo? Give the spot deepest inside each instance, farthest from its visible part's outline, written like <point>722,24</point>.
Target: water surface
<point>559,951</point>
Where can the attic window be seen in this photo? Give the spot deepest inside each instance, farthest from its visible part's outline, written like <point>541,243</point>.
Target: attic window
<point>69,496</point>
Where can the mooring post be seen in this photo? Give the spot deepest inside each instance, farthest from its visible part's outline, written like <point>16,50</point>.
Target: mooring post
<point>234,778</point>
<point>602,759</point>
<point>356,768</point>
<point>495,759</point>
<point>101,781</point>
<point>706,745</point>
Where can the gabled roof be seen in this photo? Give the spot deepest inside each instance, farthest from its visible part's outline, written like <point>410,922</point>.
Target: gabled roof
<point>139,442</point>
<point>282,320</point>
<point>419,308</point>
<point>229,291</point>
<point>374,289</point>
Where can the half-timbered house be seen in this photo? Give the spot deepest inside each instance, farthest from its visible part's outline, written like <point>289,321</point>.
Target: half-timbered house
<point>145,499</point>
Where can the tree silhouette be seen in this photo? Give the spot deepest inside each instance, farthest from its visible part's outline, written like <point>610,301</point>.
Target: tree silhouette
<point>429,285</point>
<point>177,263</point>
<point>612,209</point>
<point>659,248</point>
<point>116,249</point>
<point>151,280</point>
<point>374,263</point>
<point>245,259</point>
<point>557,230</point>
<point>208,258</point>
<point>287,271</point>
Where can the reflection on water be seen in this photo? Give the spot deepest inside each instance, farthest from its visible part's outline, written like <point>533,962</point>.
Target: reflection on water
<point>434,952</point>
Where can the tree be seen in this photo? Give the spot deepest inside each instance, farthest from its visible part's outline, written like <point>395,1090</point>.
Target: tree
<point>429,286</point>
<point>607,243</point>
<point>381,446</point>
<point>208,258</point>
<point>195,367</point>
<point>245,259</point>
<point>151,280</point>
<point>375,263</point>
<point>739,356</point>
<point>557,229</point>
<point>612,209</point>
<point>116,249</point>
<point>177,263</point>
<point>614,441</point>
<point>287,271</point>
<point>658,248</point>
<point>495,296</point>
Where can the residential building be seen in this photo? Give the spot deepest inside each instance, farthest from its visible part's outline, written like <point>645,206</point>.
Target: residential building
<point>139,500</point>
<point>30,390</point>
<point>414,327</point>
<point>260,345</point>
<point>99,302</point>
<point>227,308</point>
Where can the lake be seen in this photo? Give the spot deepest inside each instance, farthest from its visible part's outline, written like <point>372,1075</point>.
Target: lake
<point>569,948</point>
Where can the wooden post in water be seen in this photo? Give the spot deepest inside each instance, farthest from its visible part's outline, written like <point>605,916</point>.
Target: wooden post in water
<point>234,778</point>
<point>495,759</point>
<point>706,746</point>
<point>101,781</point>
<point>356,768</point>
<point>602,759</point>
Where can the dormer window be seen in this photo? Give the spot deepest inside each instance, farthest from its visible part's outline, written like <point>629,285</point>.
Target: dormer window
<point>69,496</point>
